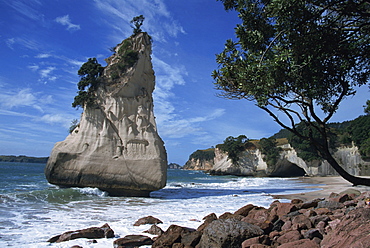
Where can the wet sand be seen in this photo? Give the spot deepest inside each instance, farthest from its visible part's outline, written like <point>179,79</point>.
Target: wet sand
<point>323,186</point>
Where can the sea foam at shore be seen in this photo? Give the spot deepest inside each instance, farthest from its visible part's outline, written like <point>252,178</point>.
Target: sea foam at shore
<point>32,211</point>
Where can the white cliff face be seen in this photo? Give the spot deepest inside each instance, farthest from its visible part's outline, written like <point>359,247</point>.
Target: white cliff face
<point>250,161</point>
<point>347,157</point>
<point>116,147</point>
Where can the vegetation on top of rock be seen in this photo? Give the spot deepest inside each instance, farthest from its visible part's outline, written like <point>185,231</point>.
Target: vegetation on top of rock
<point>74,124</point>
<point>89,72</point>
<point>268,147</point>
<point>137,22</point>
<point>207,154</point>
<point>359,132</point>
<point>233,146</point>
<point>297,60</point>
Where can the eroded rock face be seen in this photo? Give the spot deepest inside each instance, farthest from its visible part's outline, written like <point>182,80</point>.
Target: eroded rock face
<point>116,147</point>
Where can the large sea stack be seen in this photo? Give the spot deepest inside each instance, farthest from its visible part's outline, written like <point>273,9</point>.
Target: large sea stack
<point>116,147</point>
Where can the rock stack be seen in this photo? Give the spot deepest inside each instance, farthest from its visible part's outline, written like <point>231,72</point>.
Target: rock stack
<point>116,147</point>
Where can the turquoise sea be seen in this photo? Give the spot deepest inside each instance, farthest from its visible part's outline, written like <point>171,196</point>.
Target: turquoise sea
<point>32,210</point>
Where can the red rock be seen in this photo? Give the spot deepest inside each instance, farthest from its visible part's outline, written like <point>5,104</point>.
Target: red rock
<point>351,231</point>
<point>285,208</point>
<point>244,210</point>
<point>310,213</point>
<point>170,236</point>
<point>132,241</point>
<point>289,236</point>
<point>303,243</point>
<point>274,234</point>
<point>321,227</point>
<point>287,226</point>
<point>247,243</point>
<point>261,240</point>
<point>90,233</point>
<point>300,222</point>
<point>207,220</point>
<point>318,218</point>
<point>147,220</point>
<point>312,233</point>
<point>155,230</point>
<point>310,204</point>
<point>322,211</point>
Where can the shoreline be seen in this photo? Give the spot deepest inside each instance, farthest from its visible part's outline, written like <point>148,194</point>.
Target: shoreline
<point>323,187</point>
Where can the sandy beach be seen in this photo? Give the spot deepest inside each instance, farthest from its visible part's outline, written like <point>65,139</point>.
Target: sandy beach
<point>323,186</point>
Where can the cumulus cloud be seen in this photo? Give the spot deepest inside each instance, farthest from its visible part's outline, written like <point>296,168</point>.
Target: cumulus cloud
<point>66,21</point>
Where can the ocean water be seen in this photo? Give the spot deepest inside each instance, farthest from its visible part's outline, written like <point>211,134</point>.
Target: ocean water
<point>32,211</point>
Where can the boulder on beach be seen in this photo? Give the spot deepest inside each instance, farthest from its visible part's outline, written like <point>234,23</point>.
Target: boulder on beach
<point>116,147</point>
<point>90,233</point>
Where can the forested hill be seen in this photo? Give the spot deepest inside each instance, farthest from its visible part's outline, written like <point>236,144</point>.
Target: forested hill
<point>23,159</point>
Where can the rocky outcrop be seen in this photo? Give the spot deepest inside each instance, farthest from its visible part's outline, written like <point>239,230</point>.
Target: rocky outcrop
<point>89,233</point>
<point>116,147</point>
<point>199,164</point>
<point>341,220</point>
<point>252,163</point>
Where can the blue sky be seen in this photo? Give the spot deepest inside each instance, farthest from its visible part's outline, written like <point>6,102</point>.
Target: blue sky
<point>44,42</point>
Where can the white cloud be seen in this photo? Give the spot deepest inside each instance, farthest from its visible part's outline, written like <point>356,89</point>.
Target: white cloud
<point>23,98</point>
<point>66,21</point>
<point>27,8</point>
<point>63,119</point>
<point>10,42</point>
<point>44,73</point>
<point>25,42</point>
<point>34,67</point>
<point>158,20</point>
<point>43,56</point>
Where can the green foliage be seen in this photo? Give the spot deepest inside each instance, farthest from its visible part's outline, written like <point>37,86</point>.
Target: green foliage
<point>74,124</point>
<point>89,74</point>
<point>301,52</point>
<point>234,146</point>
<point>297,60</point>
<point>208,154</point>
<point>269,148</point>
<point>367,107</point>
<point>359,131</point>
<point>137,22</point>
<point>127,58</point>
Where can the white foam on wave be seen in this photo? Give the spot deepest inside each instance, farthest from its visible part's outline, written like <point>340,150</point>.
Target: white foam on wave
<point>92,191</point>
<point>36,225</point>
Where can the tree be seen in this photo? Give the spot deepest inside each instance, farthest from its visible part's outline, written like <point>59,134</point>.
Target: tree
<point>300,59</point>
<point>269,148</point>
<point>234,146</point>
<point>367,107</point>
<point>137,22</point>
<point>89,73</point>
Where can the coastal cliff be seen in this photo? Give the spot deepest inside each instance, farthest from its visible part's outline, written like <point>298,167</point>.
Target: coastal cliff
<point>116,147</point>
<point>252,163</point>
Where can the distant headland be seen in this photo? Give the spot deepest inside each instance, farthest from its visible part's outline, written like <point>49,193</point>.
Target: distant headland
<point>23,159</point>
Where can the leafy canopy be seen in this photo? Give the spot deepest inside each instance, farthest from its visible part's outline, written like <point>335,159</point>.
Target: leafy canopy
<point>234,146</point>
<point>299,58</point>
<point>296,52</point>
<point>137,22</point>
